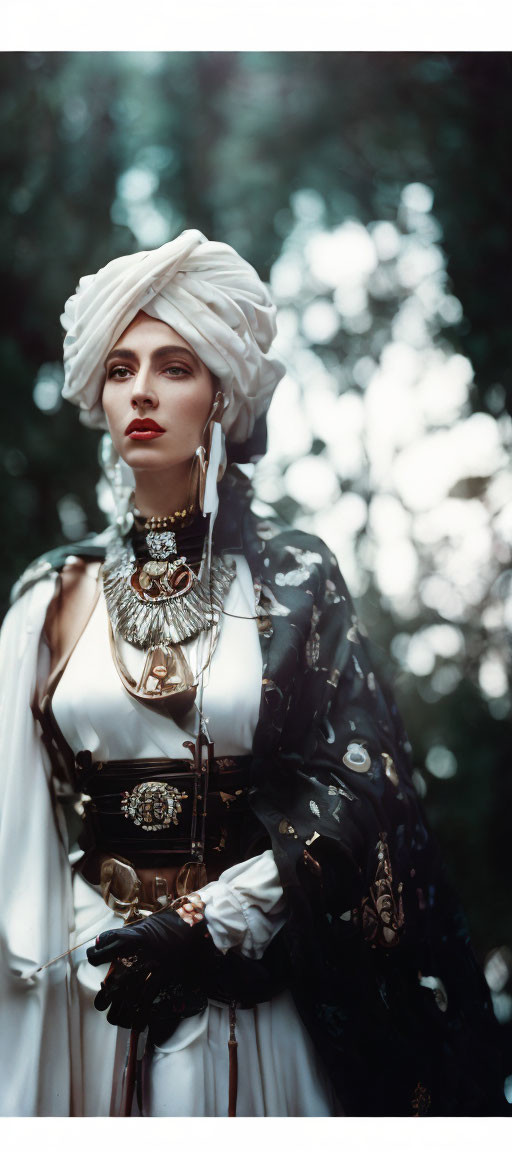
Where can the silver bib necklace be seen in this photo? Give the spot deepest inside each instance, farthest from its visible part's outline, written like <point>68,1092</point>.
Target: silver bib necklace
<point>161,601</point>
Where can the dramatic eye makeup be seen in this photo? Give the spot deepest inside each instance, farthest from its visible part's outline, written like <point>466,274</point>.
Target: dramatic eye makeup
<point>173,359</point>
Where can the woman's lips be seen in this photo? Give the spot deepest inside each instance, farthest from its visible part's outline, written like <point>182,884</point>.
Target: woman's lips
<point>144,430</point>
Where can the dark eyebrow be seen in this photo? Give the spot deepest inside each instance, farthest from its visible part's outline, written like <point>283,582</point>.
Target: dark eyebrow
<point>158,354</point>
<point>124,352</point>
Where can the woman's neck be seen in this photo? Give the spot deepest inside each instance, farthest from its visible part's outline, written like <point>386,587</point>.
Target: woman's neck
<point>164,492</point>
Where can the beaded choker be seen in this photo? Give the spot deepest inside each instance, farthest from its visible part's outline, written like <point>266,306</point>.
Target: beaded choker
<point>160,523</point>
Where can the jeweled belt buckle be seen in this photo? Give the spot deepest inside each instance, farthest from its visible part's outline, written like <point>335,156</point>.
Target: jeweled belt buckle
<point>153,805</point>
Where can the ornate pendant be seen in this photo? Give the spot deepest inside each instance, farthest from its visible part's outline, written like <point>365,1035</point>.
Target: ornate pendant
<point>160,579</point>
<point>165,672</point>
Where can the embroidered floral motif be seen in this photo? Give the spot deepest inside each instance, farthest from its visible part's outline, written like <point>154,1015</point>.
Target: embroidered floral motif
<point>381,915</point>
<point>313,641</point>
<point>292,579</point>
<point>314,807</point>
<point>304,557</point>
<point>298,575</point>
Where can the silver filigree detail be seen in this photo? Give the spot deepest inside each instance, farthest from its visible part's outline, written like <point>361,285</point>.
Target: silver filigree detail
<point>161,545</point>
<point>153,805</point>
<point>314,807</point>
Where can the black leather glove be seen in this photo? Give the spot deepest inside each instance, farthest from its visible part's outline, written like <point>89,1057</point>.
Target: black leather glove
<point>162,939</point>
<point>158,952</point>
<point>128,993</point>
<point>165,954</point>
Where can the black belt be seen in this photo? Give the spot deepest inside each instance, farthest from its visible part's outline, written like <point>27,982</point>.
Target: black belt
<point>170,809</point>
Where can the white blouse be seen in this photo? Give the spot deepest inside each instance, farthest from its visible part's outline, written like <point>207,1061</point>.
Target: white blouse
<point>95,712</point>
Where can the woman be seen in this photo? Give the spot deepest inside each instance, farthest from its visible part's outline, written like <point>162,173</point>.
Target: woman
<point>252,876</point>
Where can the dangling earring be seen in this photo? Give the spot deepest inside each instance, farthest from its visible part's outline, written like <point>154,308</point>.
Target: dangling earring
<point>199,466</point>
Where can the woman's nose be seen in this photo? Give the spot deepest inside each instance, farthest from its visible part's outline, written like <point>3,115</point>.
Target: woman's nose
<point>143,391</point>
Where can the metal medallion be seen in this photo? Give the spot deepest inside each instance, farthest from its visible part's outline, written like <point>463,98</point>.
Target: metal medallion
<point>356,757</point>
<point>153,805</point>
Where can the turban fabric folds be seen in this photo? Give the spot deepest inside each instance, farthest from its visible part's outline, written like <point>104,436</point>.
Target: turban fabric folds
<point>208,294</point>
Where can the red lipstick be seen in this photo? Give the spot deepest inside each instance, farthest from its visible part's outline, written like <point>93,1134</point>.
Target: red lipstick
<point>144,430</point>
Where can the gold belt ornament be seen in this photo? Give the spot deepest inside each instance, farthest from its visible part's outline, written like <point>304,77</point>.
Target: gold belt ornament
<point>153,805</point>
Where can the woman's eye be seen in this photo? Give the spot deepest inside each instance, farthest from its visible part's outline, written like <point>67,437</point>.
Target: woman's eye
<point>121,372</point>
<point>178,370</point>
<point>118,373</point>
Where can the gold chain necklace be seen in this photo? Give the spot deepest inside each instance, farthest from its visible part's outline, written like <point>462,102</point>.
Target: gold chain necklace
<point>160,523</point>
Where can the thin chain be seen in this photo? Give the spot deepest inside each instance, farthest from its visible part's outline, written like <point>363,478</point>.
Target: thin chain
<point>237,617</point>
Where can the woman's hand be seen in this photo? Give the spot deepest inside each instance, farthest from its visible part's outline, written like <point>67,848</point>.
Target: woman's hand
<point>192,911</point>
<point>165,939</point>
<point>165,949</point>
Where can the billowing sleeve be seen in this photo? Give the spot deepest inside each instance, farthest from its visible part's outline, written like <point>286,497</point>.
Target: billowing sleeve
<point>36,907</point>
<point>245,907</point>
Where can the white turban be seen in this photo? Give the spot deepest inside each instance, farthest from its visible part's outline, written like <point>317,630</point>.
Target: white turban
<point>203,290</point>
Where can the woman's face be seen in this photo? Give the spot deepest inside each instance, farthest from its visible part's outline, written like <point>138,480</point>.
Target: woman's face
<point>157,396</point>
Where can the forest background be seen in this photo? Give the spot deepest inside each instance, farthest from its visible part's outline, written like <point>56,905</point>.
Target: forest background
<point>373,191</point>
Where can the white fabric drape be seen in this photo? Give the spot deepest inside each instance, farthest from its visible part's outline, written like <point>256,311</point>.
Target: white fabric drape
<point>36,909</point>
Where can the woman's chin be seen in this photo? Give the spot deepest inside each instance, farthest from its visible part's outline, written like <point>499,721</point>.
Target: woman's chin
<point>147,458</point>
